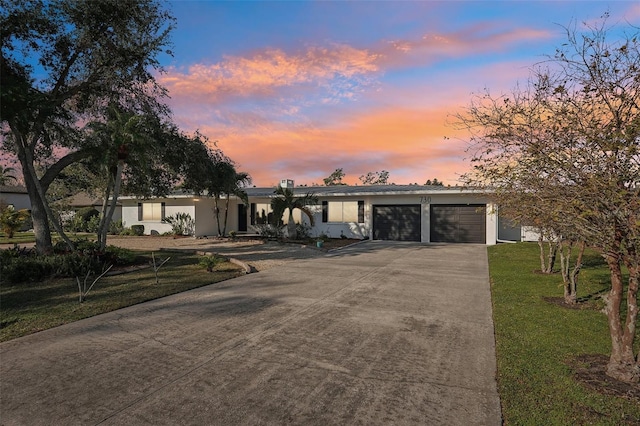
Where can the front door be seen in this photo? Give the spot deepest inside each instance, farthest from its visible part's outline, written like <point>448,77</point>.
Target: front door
<point>242,218</point>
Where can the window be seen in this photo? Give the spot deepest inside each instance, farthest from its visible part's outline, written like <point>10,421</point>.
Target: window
<point>261,213</point>
<point>151,211</point>
<point>343,211</point>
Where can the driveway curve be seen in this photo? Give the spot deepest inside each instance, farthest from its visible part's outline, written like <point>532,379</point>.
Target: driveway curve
<point>378,333</point>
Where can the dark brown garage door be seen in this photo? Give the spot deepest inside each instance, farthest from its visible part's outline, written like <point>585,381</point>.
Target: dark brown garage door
<point>458,223</point>
<point>396,223</point>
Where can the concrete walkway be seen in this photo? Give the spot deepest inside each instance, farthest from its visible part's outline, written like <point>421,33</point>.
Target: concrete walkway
<point>375,334</point>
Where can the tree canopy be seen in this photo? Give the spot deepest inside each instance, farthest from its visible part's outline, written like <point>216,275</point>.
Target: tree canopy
<point>334,178</point>
<point>63,64</point>
<point>563,151</point>
<point>375,178</point>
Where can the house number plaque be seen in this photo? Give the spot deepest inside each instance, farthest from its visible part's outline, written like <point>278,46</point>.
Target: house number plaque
<point>425,200</point>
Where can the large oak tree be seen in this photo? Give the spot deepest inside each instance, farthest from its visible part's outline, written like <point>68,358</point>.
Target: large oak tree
<point>63,63</point>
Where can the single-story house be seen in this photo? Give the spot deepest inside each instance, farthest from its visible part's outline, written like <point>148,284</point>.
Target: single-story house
<point>82,200</point>
<point>15,196</point>
<point>428,214</point>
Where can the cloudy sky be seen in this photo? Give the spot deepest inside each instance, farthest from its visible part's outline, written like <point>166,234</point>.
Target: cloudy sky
<point>298,89</point>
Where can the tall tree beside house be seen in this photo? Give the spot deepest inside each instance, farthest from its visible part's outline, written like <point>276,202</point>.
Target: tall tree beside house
<point>215,174</point>
<point>147,158</point>
<point>334,178</point>
<point>568,142</point>
<point>286,199</point>
<point>61,64</point>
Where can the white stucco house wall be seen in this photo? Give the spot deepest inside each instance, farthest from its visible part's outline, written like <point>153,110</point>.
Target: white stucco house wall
<point>428,214</point>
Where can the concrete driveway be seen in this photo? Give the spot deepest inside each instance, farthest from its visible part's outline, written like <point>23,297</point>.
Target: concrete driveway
<point>379,333</point>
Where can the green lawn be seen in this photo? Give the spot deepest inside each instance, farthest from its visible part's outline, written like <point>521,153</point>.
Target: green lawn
<point>30,307</point>
<point>535,341</point>
<point>18,238</point>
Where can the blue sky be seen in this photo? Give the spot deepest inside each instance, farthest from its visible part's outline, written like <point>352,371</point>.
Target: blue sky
<point>298,89</point>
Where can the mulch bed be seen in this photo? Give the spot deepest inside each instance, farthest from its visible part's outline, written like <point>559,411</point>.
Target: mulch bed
<point>559,301</point>
<point>590,371</point>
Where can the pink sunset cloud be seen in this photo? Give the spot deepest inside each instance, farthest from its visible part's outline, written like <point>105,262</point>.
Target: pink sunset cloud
<point>410,141</point>
<point>281,114</point>
<point>266,72</point>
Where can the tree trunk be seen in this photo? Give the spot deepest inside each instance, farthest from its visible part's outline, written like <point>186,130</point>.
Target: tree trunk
<point>102,237</point>
<point>217,212</point>
<point>553,253</point>
<point>548,260</point>
<point>41,228</point>
<point>226,216</point>
<point>543,260</point>
<point>291,227</point>
<point>622,363</point>
<point>576,270</point>
<point>566,248</point>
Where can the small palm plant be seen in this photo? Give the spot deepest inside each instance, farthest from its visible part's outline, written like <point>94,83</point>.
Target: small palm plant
<point>285,199</point>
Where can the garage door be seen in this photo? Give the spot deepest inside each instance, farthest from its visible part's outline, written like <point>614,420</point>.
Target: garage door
<point>458,223</point>
<point>397,223</point>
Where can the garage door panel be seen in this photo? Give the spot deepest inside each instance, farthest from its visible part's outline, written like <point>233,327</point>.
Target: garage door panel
<point>397,222</point>
<point>458,223</point>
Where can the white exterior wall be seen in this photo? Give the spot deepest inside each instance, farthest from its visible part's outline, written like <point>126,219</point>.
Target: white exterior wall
<point>202,210</point>
<point>172,206</point>
<point>348,229</point>
<point>205,217</point>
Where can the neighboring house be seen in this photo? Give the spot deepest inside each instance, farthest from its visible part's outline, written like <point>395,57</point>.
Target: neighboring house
<point>16,196</point>
<point>379,212</point>
<point>82,200</point>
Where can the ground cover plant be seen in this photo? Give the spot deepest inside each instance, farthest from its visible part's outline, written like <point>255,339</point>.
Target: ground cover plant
<point>31,307</point>
<point>551,358</point>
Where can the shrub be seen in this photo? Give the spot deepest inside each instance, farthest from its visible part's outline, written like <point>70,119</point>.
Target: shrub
<point>85,219</point>
<point>303,231</point>
<point>137,229</point>
<point>116,227</point>
<point>20,265</point>
<point>92,224</point>
<point>210,262</point>
<point>181,224</point>
<point>270,231</point>
<point>86,213</point>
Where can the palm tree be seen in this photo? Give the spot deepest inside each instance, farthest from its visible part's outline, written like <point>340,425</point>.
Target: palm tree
<point>287,200</point>
<point>221,174</point>
<point>6,175</point>
<point>235,186</point>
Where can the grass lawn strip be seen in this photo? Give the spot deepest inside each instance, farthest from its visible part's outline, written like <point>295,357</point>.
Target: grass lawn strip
<point>31,307</point>
<point>539,343</point>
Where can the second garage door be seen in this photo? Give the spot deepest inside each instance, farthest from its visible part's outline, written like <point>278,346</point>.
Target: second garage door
<point>397,223</point>
<point>458,223</point>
